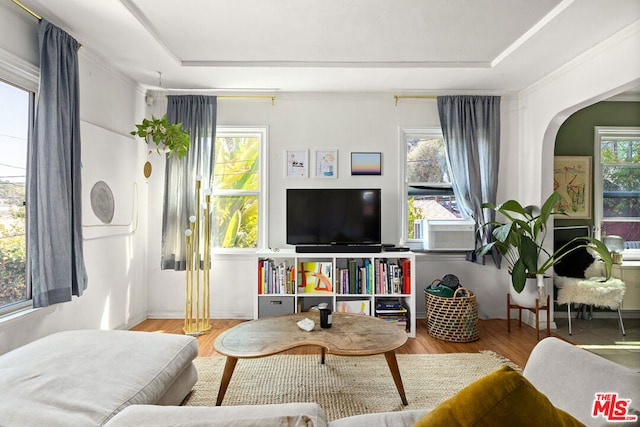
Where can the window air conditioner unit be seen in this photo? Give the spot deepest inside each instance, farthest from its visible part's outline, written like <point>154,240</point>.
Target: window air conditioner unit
<point>448,235</point>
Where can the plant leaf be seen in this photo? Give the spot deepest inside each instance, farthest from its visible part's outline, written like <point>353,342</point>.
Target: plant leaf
<point>518,276</point>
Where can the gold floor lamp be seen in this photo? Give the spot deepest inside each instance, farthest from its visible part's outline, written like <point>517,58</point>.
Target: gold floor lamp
<point>197,317</point>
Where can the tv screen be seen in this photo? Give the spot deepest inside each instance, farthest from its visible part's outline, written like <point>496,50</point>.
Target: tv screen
<point>341,216</point>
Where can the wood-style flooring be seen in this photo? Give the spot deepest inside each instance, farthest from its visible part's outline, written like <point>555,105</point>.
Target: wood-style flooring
<point>515,346</point>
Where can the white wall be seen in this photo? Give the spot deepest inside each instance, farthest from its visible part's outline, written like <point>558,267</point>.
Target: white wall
<point>348,122</point>
<point>116,266</point>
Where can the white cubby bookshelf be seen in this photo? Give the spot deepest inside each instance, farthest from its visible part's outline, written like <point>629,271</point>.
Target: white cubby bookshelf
<point>280,281</point>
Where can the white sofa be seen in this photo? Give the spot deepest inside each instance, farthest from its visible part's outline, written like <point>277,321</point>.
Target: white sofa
<point>121,378</point>
<point>570,377</point>
<point>83,378</point>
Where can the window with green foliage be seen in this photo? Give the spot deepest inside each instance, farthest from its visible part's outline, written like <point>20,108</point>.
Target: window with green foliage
<point>15,124</point>
<point>617,184</point>
<point>238,188</point>
<point>428,192</point>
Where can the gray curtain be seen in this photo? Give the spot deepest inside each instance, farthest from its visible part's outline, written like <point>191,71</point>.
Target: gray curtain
<point>197,114</point>
<point>471,130</point>
<point>54,205</point>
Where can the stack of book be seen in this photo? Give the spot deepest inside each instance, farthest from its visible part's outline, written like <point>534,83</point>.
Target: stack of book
<point>391,310</point>
<point>393,277</point>
<point>276,279</point>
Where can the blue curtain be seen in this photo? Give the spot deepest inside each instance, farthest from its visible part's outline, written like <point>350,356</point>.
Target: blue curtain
<point>471,130</point>
<point>54,206</point>
<point>197,114</point>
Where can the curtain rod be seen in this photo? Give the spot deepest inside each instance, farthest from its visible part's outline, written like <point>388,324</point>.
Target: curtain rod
<point>31,12</point>
<point>397,97</point>
<point>35,15</point>
<point>272,98</point>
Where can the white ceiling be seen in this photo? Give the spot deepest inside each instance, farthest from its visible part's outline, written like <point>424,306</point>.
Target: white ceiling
<point>490,46</point>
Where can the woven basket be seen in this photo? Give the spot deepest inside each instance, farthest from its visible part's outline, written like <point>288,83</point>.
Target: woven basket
<point>453,319</point>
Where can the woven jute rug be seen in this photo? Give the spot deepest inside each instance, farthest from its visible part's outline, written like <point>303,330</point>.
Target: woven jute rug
<point>344,386</point>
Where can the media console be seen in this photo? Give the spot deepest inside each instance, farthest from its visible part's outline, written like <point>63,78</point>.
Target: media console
<point>333,249</point>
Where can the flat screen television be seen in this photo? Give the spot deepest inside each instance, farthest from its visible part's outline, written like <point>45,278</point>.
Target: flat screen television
<point>333,217</point>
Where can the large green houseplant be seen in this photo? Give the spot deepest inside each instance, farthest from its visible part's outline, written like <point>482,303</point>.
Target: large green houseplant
<point>164,134</point>
<point>520,239</point>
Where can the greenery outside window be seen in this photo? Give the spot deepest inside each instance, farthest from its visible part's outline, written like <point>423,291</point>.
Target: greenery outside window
<point>239,188</point>
<point>427,190</point>
<point>617,185</point>
<point>16,112</point>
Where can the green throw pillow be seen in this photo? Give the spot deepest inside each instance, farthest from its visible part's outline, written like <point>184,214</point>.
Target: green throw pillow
<point>503,398</point>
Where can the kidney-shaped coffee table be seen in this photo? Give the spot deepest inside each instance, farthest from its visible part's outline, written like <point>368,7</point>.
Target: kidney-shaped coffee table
<point>350,335</point>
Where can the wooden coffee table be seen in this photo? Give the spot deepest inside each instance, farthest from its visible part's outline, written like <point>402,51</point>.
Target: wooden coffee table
<point>350,335</point>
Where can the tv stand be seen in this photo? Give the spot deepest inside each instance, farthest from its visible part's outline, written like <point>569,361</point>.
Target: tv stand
<point>356,282</point>
<point>333,249</point>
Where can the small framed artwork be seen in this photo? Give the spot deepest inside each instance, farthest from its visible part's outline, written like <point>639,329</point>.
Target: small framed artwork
<point>297,163</point>
<point>326,163</point>
<point>572,179</point>
<point>366,163</point>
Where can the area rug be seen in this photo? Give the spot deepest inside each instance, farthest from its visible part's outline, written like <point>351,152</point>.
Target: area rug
<point>344,386</point>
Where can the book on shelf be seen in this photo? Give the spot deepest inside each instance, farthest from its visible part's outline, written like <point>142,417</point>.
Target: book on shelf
<point>388,303</point>
<point>393,277</point>
<point>275,278</point>
<point>391,310</point>
<point>356,278</point>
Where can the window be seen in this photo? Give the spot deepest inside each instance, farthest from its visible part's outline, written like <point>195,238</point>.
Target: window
<point>239,188</point>
<point>427,188</point>
<point>16,106</point>
<point>617,185</point>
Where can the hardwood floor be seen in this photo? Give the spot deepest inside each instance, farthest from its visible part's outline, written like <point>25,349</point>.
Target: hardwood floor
<point>515,346</point>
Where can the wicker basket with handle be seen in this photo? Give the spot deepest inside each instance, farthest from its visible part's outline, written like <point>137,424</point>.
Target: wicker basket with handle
<point>453,319</point>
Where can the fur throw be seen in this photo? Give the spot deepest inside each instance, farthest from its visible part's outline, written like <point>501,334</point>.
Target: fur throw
<point>594,291</point>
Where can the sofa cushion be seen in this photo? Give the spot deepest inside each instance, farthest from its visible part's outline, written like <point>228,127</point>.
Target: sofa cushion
<point>286,414</point>
<point>381,419</point>
<point>83,378</point>
<point>503,398</point>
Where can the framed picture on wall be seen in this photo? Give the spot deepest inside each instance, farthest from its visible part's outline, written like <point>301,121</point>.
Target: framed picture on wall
<point>297,163</point>
<point>572,179</point>
<point>366,163</point>
<point>326,163</point>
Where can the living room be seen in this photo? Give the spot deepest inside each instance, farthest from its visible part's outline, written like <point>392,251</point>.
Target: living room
<point>345,120</point>
<point>126,283</point>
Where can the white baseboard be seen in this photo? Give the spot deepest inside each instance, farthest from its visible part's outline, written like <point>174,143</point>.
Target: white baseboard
<point>215,315</point>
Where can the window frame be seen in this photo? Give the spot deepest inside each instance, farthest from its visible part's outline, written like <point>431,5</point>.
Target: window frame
<point>261,192</point>
<point>26,76</point>
<point>403,134</point>
<point>600,133</point>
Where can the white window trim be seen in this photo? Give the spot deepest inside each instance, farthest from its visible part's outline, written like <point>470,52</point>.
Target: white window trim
<point>599,133</point>
<point>262,191</point>
<point>19,72</point>
<point>15,70</point>
<point>403,133</point>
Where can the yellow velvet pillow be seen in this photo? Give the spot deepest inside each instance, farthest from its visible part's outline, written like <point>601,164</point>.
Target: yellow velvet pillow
<point>503,398</point>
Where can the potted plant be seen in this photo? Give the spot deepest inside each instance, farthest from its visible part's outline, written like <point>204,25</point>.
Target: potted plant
<point>520,239</point>
<point>165,135</point>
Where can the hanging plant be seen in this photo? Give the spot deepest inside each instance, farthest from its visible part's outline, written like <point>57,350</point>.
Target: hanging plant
<point>164,135</point>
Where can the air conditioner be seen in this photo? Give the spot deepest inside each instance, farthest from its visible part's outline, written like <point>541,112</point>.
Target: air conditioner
<point>448,235</point>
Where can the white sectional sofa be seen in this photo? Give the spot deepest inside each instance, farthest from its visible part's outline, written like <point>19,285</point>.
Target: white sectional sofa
<point>83,378</point>
<point>120,378</point>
